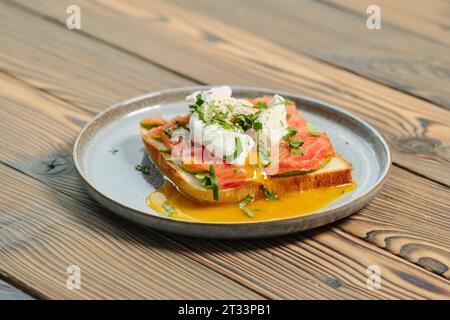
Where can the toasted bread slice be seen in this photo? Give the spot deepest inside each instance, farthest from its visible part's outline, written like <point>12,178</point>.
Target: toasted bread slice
<point>336,172</point>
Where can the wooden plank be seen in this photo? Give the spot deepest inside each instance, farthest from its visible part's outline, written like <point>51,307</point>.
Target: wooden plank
<point>317,264</point>
<point>213,52</point>
<point>43,233</point>
<point>68,184</point>
<point>393,56</point>
<point>410,219</point>
<point>428,19</point>
<point>8,292</point>
<point>77,69</point>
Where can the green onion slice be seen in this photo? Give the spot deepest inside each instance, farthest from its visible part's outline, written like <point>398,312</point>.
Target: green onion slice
<point>243,203</point>
<point>214,184</point>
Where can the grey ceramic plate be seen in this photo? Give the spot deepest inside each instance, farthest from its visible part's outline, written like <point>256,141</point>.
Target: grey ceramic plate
<point>109,147</point>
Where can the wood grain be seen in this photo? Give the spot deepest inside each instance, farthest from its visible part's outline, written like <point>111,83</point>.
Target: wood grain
<point>212,52</point>
<point>340,37</point>
<point>51,231</point>
<point>428,19</point>
<point>73,67</point>
<point>336,260</point>
<point>8,292</point>
<point>325,263</point>
<point>410,218</point>
<point>310,257</point>
<point>42,233</point>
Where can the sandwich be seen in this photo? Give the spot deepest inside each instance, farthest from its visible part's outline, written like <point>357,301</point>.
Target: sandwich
<point>228,149</point>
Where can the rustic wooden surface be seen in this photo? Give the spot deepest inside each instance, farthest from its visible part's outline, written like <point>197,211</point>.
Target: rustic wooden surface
<point>53,80</point>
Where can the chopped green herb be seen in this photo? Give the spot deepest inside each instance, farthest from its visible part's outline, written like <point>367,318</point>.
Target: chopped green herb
<point>257,125</point>
<point>243,203</point>
<point>144,169</point>
<point>168,132</point>
<point>197,107</point>
<point>268,194</point>
<point>298,152</point>
<point>291,132</point>
<point>220,118</point>
<point>214,184</point>
<point>168,210</point>
<point>246,121</point>
<point>261,105</point>
<point>311,130</point>
<point>200,100</point>
<point>294,143</point>
<point>238,150</point>
<point>164,150</point>
<point>157,137</point>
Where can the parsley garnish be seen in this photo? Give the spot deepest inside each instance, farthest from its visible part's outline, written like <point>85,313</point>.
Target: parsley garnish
<point>197,107</point>
<point>298,152</point>
<point>214,184</point>
<point>291,132</point>
<point>261,105</point>
<point>168,132</point>
<point>311,130</point>
<point>200,100</point>
<point>243,203</point>
<point>294,143</point>
<point>247,121</point>
<point>257,125</point>
<point>268,194</point>
<point>221,119</point>
<point>168,210</point>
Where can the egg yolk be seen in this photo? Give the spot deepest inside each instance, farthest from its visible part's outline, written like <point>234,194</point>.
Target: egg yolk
<point>289,205</point>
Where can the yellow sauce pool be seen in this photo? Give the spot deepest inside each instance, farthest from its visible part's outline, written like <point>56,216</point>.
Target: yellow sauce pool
<point>289,205</point>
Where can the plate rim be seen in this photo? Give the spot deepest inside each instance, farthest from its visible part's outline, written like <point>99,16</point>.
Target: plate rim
<point>373,189</point>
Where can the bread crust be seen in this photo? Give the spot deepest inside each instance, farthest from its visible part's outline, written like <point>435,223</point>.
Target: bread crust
<point>187,184</point>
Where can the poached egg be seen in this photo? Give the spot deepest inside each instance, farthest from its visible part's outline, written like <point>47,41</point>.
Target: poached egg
<point>213,124</point>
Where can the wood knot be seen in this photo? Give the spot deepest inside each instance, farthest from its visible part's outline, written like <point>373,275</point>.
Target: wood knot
<point>334,283</point>
<point>53,165</point>
<point>415,145</point>
<point>433,265</point>
<point>211,37</point>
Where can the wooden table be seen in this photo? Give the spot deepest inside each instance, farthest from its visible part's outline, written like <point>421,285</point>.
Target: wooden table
<point>53,80</point>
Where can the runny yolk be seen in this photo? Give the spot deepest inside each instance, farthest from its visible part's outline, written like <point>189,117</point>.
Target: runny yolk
<point>289,205</point>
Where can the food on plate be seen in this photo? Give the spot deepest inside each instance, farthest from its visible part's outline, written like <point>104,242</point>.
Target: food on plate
<point>232,152</point>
